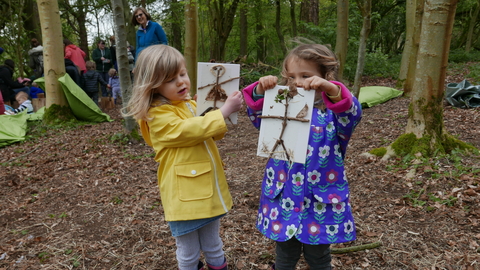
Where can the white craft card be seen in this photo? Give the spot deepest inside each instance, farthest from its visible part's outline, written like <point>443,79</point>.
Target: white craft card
<point>207,76</point>
<point>295,136</point>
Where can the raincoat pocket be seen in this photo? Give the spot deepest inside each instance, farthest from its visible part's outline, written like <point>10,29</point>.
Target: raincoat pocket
<point>194,180</point>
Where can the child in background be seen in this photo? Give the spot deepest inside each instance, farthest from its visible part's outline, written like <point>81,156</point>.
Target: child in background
<point>91,80</point>
<point>307,206</point>
<point>114,83</point>
<point>24,104</point>
<point>192,183</point>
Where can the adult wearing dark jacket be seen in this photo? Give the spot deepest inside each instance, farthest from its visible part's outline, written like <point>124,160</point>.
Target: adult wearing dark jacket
<point>8,86</point>
<point>103,59</point>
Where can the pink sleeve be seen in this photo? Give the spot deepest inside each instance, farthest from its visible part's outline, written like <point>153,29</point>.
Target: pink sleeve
<point>82,53</point>
<point>343,104</point>
<point>248,97</point>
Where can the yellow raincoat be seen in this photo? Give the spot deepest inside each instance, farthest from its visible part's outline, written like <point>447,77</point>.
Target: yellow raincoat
<point>190,173</point>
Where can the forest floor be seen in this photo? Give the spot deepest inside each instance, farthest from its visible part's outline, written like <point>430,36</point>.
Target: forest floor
<point>83,198</point>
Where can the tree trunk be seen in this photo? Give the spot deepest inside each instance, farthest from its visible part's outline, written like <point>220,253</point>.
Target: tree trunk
<point>222,16</point>
<point>177,25</point>
<point>415,43</point>
<point>54,66</point>
<point>32,21</point>
<point>471,26</point>
<point>278,27</point>
<point>426,118</point>
<point>259,33</point>
<point>243,32</point>
<point>309,11</point>
<point>365,7</point>
<point>191,42</point>
<point>342,35</point>
<point>122,59</point>
<point>293,18</point>
<point>130,28</point>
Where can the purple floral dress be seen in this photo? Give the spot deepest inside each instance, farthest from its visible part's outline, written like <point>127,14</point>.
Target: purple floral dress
<point>311,201</point>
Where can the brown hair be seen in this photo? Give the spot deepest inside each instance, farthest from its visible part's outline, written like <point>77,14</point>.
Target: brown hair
<point>34,42</point>
<point>67,42</point>
<point>321,55</point>
<point>112,72</point>
<point>134,19</point>
<point>91,65</point>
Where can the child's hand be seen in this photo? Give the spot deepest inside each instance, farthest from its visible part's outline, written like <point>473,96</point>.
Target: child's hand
<point>232,104</point>
<point>321,85</point>
<point>265,83</point>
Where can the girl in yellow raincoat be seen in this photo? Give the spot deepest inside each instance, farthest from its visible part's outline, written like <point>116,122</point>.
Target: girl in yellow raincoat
<point>192,183</point>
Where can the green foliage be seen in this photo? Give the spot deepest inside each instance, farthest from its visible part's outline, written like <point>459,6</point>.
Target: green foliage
<point>379,152</point>
<point>460,56</point>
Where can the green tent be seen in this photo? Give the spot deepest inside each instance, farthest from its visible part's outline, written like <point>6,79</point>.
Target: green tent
<point>374,95</point>
<point>14,127</point>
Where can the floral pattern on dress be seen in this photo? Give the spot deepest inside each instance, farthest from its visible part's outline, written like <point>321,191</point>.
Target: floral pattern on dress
<point>311,201</point>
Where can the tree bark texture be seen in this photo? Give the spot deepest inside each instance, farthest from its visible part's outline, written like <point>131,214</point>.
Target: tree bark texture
<point>342,35</point>
<point>191,42</point>
<point>54,66</point>
<point>412,57</point>
<point>122,59</point>
<point>426,106</point>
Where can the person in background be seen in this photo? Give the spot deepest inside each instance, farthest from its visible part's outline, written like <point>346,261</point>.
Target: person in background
<point>113,52</point>
<point>114,83</point>
<point>35,90</point>
<point>103,60</point>
<point>149,33</point>
<point>91,80</point>
<point>73,71</point>
<point>8,86</point>
<point>75,54</point>
<point>24,104</point>
<point>2,105</point>
<point>36,58</point>
<point>131,60</point>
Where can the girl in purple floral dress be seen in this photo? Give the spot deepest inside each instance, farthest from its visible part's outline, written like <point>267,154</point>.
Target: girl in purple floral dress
<point>307,206</point>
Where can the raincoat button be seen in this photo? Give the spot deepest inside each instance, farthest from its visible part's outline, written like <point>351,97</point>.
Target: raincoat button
<point>194,172</point>
<point>297,209</point>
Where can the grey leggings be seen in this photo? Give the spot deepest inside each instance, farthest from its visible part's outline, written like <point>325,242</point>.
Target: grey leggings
<point>206,239</point>
<point>318,257</point>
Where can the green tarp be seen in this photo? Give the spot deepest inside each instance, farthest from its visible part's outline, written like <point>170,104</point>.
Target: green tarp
<point>374,95</point>
<point>14,127</point>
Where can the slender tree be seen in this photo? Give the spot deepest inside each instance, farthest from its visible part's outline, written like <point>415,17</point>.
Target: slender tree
<point>222,14</point>
<point>365,7</point>
<point>54,66</point>
<point>342,35</point>
<point>191,42</point>
<point>122,58</point>
<point>278,26</point>
<point>471,27</point>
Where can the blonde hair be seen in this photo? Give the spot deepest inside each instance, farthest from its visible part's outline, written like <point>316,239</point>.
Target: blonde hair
<point>21,94</point>
<point>112,72</point>
<point>155,65</point>
<point>321,55</point>
<point>91,65</point>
